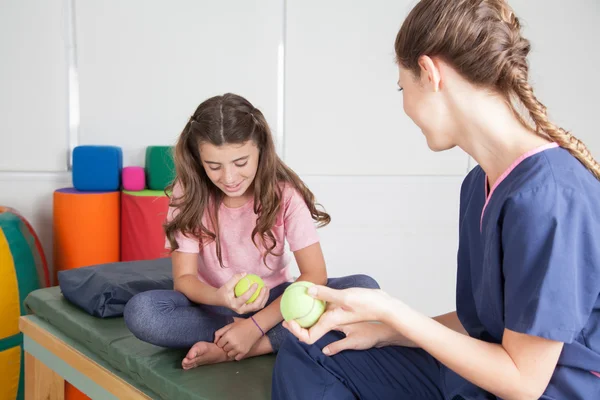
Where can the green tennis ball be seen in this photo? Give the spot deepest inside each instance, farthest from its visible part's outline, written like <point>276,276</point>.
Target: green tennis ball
<point>297,304</point>
<point>244,285</point>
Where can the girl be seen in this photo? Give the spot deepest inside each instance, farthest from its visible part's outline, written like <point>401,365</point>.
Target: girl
<point>233,206</point>
<point>527,324</point>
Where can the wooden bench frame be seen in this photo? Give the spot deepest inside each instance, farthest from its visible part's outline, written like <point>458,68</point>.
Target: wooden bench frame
<point>49,361</point>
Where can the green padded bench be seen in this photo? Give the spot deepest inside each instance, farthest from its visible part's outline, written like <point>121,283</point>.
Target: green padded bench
<point>104,360</point>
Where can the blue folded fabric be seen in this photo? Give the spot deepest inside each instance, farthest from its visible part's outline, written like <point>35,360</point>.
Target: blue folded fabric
<point>104,290</point>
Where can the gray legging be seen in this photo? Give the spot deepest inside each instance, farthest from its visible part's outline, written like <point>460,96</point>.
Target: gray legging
<point>167,318</point>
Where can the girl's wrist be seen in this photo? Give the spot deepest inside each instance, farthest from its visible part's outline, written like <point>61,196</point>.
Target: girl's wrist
<point>257,326</point>
<point>219,299</point>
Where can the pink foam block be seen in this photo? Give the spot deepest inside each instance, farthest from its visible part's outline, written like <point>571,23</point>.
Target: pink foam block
<point>134,179</point>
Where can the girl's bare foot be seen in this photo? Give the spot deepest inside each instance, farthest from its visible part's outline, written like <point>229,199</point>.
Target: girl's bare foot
<point>203,353</point>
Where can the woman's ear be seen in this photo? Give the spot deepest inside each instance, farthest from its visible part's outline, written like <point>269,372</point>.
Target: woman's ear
<point>430,73</point>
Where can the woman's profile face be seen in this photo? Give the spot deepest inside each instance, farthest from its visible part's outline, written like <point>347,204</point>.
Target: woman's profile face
<point>427,109</point>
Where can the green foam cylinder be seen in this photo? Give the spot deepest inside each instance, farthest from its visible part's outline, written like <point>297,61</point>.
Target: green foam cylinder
<point>160,169</point>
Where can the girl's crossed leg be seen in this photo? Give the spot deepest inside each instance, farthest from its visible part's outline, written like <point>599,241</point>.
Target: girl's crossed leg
<point>167,318</point>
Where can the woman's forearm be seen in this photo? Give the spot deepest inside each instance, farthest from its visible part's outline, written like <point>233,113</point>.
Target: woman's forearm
<point>487,365</point>
<point>391,337</point>
<point>450,320</point>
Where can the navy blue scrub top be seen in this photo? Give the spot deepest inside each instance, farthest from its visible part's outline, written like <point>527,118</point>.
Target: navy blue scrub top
<point>529,261</point>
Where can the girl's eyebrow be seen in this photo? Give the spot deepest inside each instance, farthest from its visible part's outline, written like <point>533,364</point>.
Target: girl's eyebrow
<point>236,160</point>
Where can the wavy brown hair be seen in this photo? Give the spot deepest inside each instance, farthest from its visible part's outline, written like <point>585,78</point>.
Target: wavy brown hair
<point>230,119</point>
<point>482,40</point>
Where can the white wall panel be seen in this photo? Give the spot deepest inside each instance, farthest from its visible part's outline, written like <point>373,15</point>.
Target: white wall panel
<point>146,65</point>
<point>343,113</point>
<point>33,86</point>
<point>565,55</point>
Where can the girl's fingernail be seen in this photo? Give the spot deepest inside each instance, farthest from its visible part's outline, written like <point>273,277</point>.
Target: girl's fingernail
<point>326,351</point>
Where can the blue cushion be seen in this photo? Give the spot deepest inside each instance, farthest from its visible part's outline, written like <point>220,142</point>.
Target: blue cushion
<point>104,290</point>
<point>97,168</point>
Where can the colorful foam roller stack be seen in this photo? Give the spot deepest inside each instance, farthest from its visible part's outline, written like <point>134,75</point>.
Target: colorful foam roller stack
<point>160,169</point>
<point>97,168</point>
<point>23,269</point>
<point>134,179</point>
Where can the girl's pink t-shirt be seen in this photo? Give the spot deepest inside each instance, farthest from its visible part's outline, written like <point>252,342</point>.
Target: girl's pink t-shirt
<point>293,224</point>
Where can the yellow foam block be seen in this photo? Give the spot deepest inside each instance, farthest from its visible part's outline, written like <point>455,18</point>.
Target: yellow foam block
<point>10,369</point>
<point>9,292</point>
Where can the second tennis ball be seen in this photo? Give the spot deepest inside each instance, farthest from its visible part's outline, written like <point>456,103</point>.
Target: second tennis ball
<point>297,304</point>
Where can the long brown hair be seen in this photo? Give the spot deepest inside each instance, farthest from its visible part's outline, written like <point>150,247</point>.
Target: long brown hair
<point>230,119</point>
<point>482,40</point>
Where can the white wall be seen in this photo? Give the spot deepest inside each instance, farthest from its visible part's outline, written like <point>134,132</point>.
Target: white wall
<point>144,66</point>
<point>342,104</point>
<point>33,89</point>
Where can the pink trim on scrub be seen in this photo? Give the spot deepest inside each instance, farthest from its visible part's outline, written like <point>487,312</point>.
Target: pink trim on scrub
<point>508,171</point>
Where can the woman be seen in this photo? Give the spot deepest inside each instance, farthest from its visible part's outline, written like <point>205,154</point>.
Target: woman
<point>527,324</point>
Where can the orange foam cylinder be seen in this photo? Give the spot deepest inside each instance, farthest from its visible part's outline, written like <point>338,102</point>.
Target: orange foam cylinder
<point>72,393</point>
<point>86,228</point>
<point>86,232</point>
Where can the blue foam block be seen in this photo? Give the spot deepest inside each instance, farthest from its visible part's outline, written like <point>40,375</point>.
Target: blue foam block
<point>97,168</point>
